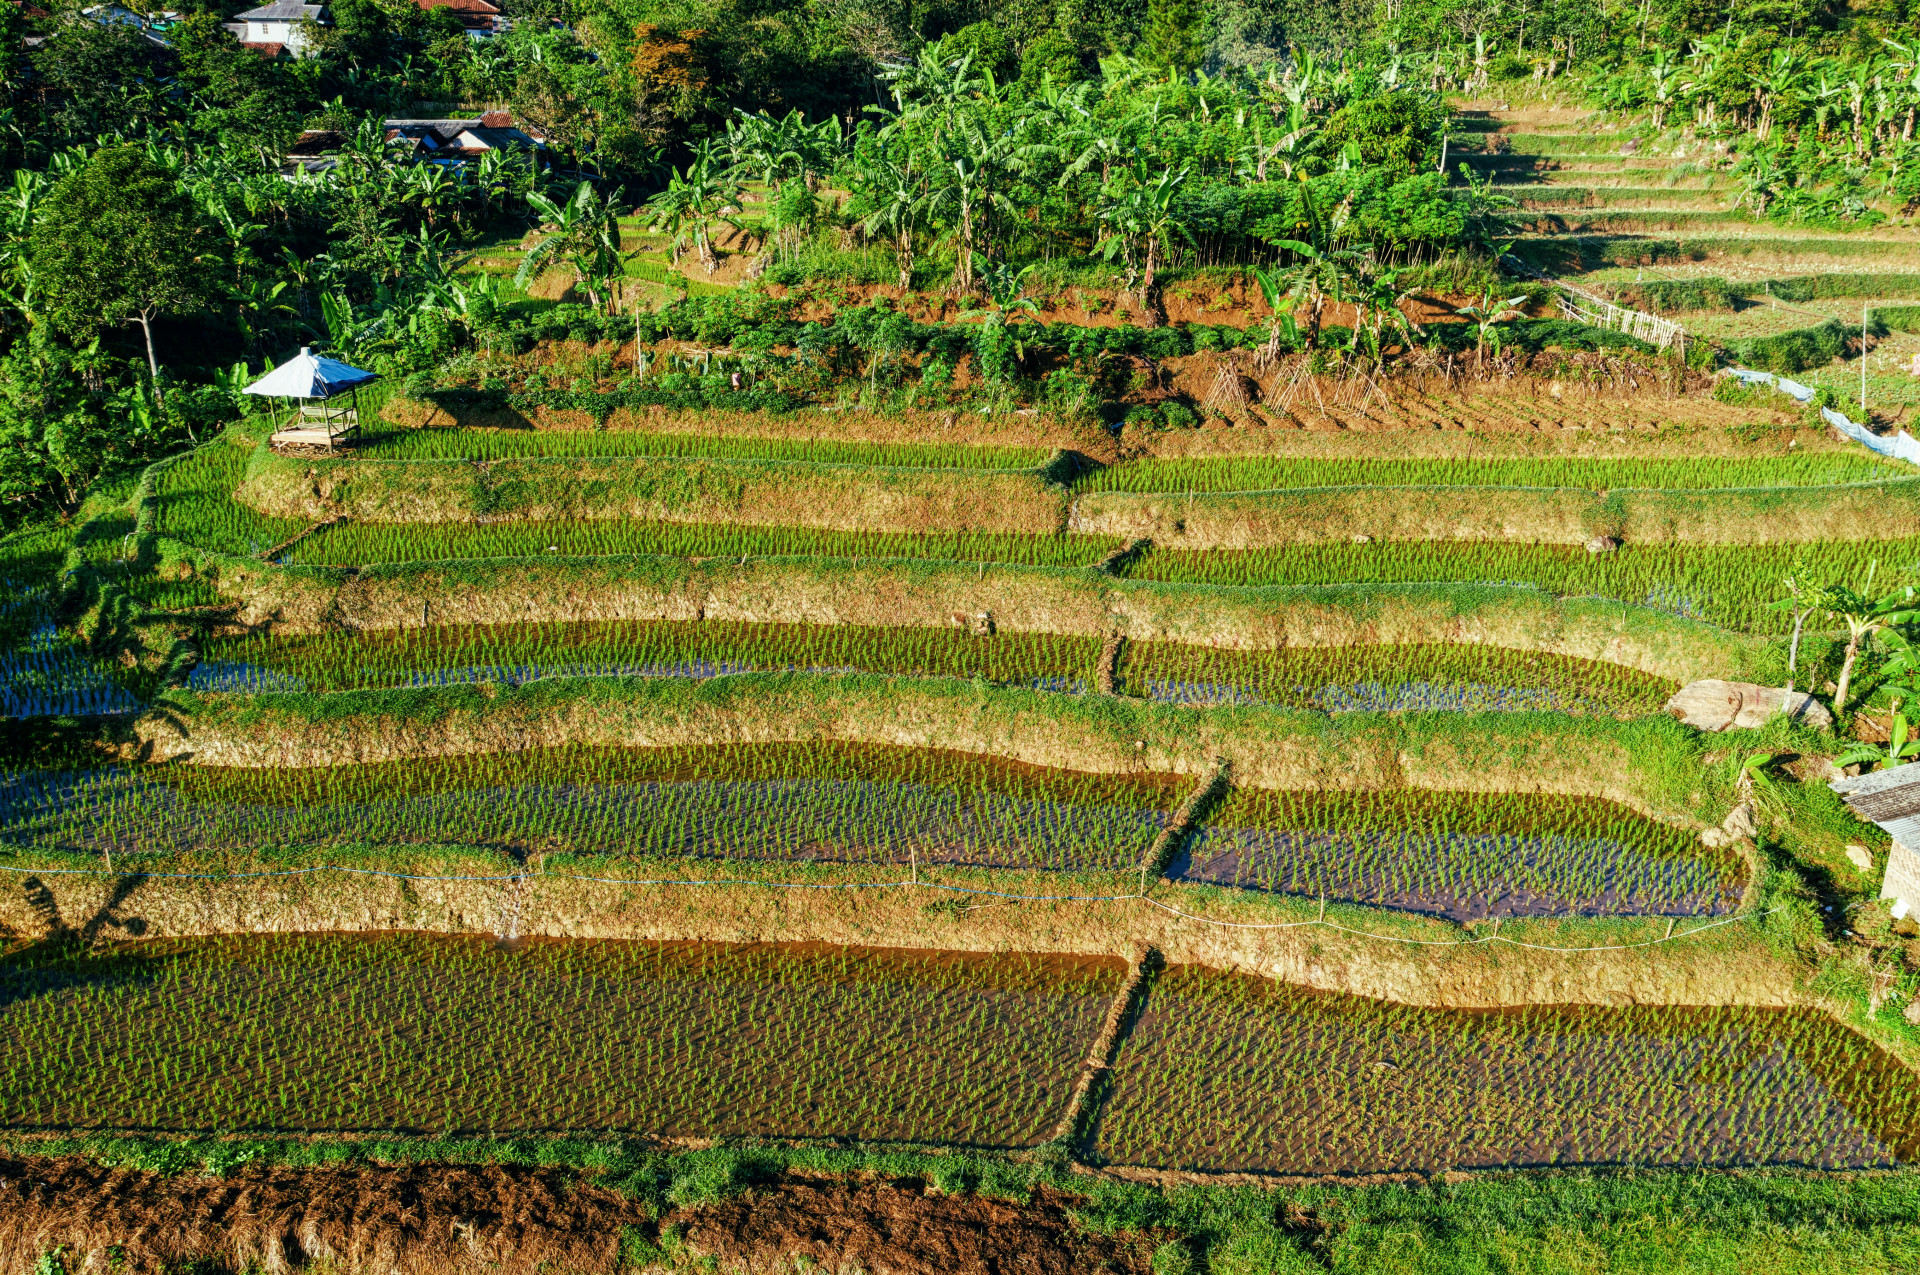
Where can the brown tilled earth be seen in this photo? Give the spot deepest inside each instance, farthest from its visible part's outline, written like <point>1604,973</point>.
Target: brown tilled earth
<point>416,1219</point>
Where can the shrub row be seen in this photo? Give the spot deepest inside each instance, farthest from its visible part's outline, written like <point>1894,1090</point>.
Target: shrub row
<point>1711,292</point>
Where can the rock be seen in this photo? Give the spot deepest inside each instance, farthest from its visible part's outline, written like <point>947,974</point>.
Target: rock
<point>1912,1013</point>
<point>1362,538</point>
<point>1740,822</point>
<point>1715,838</point>
<point>1632,146</point>
<point>1603,544</point>
<point>1860,858</point>
<point>1712,704</point>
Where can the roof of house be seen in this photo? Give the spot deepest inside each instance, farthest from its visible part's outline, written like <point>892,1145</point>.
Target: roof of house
<point>283,11</point>
<point>309,375</point>
<point>479,8</point>
<point>318,141</point>
<point>268,49</point>
<point>491,131</point>
<point>1890,798</point>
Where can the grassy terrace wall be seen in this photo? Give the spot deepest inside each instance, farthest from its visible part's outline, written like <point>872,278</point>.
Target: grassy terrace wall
<point>1021,599</point>
<point>1649,764</point>
<point>1729,964</point>
<point>879,499</point>
<point>773,493</point>
<point>1251,520</point>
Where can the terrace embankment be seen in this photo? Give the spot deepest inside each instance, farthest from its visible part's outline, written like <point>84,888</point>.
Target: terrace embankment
<point>1521,515</point>
<point>1370,953</point>
<point>881,499</point>
<point>431,1219</point>
<point>948,428</point>
<point>660,489</point>
<point>1020,599</point>
<point>1646,764</point>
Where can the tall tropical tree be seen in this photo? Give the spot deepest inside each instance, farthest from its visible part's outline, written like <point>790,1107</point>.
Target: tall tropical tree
<point>120,242</point>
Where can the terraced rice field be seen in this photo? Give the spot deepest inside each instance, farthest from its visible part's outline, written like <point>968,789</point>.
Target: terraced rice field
<point>1468,856</point>
<point>821,803</point>
<point>1226,1072</point>
<point>306,1033</point>
<point>1331,679</point>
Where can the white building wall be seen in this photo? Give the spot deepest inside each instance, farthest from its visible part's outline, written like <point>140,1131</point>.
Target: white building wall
<point>1902,880</point>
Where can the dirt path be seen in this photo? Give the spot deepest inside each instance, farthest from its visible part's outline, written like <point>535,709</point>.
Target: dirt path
<point>416,1219</point>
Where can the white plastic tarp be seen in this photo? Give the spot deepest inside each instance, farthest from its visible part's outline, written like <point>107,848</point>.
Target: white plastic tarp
<point>1901,446</point>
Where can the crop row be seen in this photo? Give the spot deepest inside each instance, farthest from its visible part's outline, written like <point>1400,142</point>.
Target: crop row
<point>1463,855</point>
<point>461,1035</point>
<point>817,801</point>
<point>453,1035</point>
<point>1232,1073</point>
<point>1460,854</point>
<point>1330,678</point>
<point>1276,473</point>
<point>47,673</point>
<point>1730,585</point>
<point>778,819</point>
<point>500,444</point>
<point>1734,586</point>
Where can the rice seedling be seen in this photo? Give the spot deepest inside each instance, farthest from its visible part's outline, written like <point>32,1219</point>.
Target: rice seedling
<point>354,544</point>
<point>51,674</point>
<point>1729,585</point>
<point>1274,473</point>
<point>307,1033</point>
<point>1334,679</point>
<point>1228,1072</point>
<point>1468,856</point>
<point>816,802</point>
<point>514,653</point>
<point>1380,678</point>
<point>500,444</point>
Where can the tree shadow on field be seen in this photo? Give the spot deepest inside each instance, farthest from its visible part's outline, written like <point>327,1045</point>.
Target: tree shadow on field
<point>65,955</point>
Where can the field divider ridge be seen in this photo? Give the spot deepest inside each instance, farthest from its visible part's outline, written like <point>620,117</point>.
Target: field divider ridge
<point>1477,940</point>
<point>1089,1091</point>
<point>1173,836</point>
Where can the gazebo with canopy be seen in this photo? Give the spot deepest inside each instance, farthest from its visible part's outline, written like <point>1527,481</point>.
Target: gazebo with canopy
<point>308,377</point>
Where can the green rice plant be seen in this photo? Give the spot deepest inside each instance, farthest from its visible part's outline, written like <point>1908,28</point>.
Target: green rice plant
<point>411,1034</point>
<point>336,661</point>
<point>804,802</point>
<point>1376,677</point>
<point>359,544</point>
<point>1228,1072</point>
<point>1465,855</point>
<point>1274,473</point>
<point>498,444</point>
<point>1730,585</point>
<point>1328,678</point>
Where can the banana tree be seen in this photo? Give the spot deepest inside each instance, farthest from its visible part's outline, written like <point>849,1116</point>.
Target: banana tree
<point>1901,747</point>
<point>690,205</point>
<point>1143,212</point>
<point>584,232</point>
<point>1864,614</point>
<point>893,196</point>
<point>1487,315</point>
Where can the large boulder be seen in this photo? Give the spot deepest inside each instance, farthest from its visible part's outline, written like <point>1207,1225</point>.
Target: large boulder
<point>1712,704</point>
